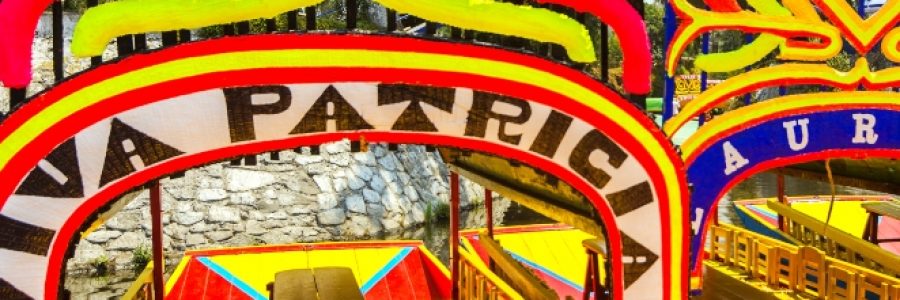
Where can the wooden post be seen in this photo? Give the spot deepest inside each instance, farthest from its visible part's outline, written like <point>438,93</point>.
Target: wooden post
<point>454,234</point>
<point>604,53</point>
<point>159,263</point>
<point>58,73</point>
<point>781,199</point>
<point>489,211</point>
<point>715,214</point>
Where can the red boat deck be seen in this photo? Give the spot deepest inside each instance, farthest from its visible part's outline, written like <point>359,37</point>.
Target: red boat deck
<point>389,270</point>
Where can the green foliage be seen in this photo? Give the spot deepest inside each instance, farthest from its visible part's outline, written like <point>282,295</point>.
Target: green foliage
<point>437,211</point>
<point>102,265</point>
<point>141,256</point>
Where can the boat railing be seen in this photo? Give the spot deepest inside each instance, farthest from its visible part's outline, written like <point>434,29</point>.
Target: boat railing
<point>805,271</point>
<point>519,278</point>
<point>142,287</point>
<point>836,243</point>
<point>476,281</point>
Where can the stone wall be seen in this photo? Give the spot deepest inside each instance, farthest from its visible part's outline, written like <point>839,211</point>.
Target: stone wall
<point>337,195</point>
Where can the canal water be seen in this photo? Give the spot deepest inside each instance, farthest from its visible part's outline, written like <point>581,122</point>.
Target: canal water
<point>764,185</point>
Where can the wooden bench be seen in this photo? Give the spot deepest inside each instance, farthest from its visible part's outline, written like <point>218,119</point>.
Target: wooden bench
<point>889,209</point>
<point>326,283</point>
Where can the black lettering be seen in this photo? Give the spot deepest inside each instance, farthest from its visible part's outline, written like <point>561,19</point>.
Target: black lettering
<point>627,200</point>
<point>66,179</point>
<point>579,160</point>
<point>241,109</point>
<point>481,112</point>
<point>345,117</point>
<point>551,134</point>
<point>637,259</point>
<point>117,163</point>
<point>8,291</point>
<point>413,117</point>
<point>23,237</point>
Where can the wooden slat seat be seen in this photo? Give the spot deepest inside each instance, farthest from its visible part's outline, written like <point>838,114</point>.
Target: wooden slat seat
<point>294,285</point>
<point>326,283</point>
<point>337,283</point>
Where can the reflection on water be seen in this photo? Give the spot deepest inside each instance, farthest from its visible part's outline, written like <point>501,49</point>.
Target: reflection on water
<point>436,234</point>
<point>765,185</point>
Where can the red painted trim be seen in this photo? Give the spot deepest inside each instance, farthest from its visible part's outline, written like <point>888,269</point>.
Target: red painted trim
<point>787,161</point>
<point>69,126</point>
<point>630,29</point>
<point>71,226</point>
<point>858,44</point>
<point>287,41</point>
<point>789,82</point>
<point>18,21</point>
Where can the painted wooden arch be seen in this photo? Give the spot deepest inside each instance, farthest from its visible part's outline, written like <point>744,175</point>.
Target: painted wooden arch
<point>777,133</point>
<point>74,148</point>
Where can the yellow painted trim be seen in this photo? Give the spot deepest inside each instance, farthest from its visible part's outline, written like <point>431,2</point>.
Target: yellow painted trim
<point>298,58</point>
<point>341,243</point>
<point>100,24</point>
<point>720,93</point>
<point>865,30</point>
<point>434,260</point>
<point>744,115</point>
<point>146,276</point>
<point>177,272</point>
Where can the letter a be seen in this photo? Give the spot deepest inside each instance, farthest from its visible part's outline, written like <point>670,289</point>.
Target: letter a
<point>792,135</point>
<point>733,159</point>
<point>865,129</point>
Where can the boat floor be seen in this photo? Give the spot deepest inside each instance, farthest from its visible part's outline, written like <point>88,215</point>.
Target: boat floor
<point>553,252</point>
<point>847,215</point>
<point>401,270</point>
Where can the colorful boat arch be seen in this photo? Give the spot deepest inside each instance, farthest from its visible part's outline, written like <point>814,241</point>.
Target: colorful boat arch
<point>781,132</point>
<point>121,125</point>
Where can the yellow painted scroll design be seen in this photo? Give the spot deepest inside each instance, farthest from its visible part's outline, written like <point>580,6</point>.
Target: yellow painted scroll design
<point>748,54</point>
<point>105,22</point>
<point>100,24</point>
<point>505,18</point>
<point>862,33</point>
<point>770,19</point>
<point>776,75</point>
<point>890,45</point>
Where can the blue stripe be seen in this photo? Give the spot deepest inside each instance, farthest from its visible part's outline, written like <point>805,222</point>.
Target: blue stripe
<point>761,211</point>
<point>546,271</point>
<point>384,270</point>
<point>240,284</point>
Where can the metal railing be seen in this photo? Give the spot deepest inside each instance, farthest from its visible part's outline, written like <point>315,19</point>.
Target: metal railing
<point>476,281</point>
<point>805,271</point>
<point>836,243</point>
<point>142,287</point>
